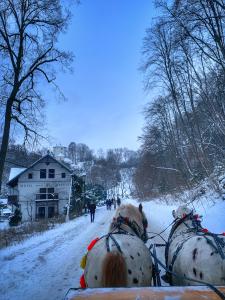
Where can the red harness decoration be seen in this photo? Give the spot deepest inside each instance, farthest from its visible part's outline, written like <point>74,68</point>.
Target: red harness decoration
<point>82,282</point>
<point>92,243</point>
<point>82,279</point>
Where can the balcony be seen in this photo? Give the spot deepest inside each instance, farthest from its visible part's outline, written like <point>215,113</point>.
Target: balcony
<point>47,196</point>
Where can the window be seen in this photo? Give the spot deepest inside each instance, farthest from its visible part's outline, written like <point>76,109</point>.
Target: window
<point>51,193</point>
<point>51,173</point>
<point>47,193</point>
<point>51,190</point>
<point>30,175</point>
<point>63,175</point>
<point>42,193</point>
<point>43,173</point>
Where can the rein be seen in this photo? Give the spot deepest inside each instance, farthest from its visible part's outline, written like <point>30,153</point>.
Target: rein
<point>177,223</point>
<point>133,225</point>
<point>212,287</point>
<point>160,234</point>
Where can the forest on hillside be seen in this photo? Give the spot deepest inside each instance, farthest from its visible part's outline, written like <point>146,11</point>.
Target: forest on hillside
<point>183,140</point>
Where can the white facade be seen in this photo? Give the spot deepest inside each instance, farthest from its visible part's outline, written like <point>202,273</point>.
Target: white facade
<point>42,190</point>
<point>60,152</point>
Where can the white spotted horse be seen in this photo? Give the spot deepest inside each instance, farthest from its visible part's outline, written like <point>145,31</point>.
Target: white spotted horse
<point>120,258</point>
<point>194,252</point>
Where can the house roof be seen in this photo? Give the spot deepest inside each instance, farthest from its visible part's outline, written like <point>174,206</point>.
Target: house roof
<point>14,172</point>
<point>13,180</point>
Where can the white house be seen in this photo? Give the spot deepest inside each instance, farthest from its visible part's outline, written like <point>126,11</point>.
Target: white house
<point>60,152</point>
<point>41,190</point>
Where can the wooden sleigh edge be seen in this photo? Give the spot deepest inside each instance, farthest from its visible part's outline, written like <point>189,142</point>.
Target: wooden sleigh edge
<point>146,293</point>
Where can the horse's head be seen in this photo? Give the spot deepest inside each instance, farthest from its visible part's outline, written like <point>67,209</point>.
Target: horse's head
<point>181,212</point>
<point>132,219</point>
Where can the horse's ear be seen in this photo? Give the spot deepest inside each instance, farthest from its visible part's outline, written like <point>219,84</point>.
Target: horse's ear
<point>140,208</point>
<point>173,213</point>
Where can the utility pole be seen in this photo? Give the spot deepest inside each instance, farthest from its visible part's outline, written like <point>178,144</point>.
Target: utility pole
<point>68,205</point>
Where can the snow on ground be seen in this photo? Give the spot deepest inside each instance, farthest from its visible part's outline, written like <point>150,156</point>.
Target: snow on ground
<point>47,265</point>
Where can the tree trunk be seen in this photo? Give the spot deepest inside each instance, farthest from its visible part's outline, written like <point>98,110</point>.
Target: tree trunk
<point>5,138</point>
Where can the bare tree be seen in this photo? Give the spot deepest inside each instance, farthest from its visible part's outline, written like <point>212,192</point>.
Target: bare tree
<point>29,30</point>
<point>72,151</point>
<point>184,132</point>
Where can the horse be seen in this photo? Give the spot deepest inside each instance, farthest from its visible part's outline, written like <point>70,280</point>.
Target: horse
<point>193,252</point>
<point>121,258</point>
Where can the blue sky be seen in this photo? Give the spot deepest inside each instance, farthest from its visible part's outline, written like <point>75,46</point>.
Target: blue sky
<point>105,92</point>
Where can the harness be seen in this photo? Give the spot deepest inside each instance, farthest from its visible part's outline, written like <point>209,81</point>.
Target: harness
<point>138,231</point>
<point>116,229</point>
<point>110,235</point>
<point>198,230</point>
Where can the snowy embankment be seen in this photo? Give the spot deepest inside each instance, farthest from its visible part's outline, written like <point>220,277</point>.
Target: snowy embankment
<point>47,265</point>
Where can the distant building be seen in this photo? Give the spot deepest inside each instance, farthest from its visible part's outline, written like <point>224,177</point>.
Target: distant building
<point>60,152</point>
<point>42,190</point>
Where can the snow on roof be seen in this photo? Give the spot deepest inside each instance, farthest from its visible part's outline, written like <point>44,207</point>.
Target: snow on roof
<point>67,160</point>
<point>78,166</point>
<point>14,172</point>
<point>3,201</point>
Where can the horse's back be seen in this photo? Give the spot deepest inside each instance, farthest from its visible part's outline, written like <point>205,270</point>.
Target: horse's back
<point>135,253</point>
<point>197,259</point>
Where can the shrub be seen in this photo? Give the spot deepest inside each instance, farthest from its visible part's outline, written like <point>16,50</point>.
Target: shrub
<point>16,218</point>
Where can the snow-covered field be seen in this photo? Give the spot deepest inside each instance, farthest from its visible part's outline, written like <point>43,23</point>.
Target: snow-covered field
<point>47,265</point>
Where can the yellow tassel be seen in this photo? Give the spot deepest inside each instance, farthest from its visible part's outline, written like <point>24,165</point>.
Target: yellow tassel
<point>83,261</point>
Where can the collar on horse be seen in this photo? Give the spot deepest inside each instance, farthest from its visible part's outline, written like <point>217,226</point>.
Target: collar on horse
<point>138,231</point>
<point>196,223</point>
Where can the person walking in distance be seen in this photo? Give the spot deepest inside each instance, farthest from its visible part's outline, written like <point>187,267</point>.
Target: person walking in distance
<point>92,211</point>
<point>114,203</point>
<point>110,204</point>
<point>107,204</point>
<point>118,201</point>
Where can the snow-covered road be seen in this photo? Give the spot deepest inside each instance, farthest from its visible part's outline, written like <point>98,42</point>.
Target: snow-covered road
<point>46,266</point>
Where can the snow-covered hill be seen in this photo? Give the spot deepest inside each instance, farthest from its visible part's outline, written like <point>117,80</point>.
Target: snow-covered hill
<point>47,265</point>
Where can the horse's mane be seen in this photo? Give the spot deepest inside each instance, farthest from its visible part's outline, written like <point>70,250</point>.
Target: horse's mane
<point>130,211</point>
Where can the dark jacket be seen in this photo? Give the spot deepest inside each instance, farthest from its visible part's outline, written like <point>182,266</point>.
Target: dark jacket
<point>92,208</point>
